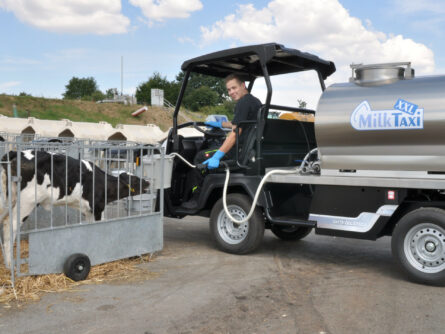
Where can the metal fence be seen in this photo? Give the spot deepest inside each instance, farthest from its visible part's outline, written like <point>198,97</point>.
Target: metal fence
<point>78,197</point>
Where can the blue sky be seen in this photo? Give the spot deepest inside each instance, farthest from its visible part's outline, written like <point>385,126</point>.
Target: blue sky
<point>47,42</point>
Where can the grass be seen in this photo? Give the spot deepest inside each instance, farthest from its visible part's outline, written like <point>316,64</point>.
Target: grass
<point>86,111</point>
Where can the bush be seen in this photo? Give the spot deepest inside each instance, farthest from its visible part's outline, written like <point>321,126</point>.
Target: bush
<point>225,108</point>
<point>198,98</point>
<point>98,95</point>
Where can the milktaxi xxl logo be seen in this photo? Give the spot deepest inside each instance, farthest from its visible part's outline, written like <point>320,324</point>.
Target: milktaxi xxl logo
<point>403,116</point>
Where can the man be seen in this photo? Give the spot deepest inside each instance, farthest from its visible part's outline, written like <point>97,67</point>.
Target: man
<point>246,108</point>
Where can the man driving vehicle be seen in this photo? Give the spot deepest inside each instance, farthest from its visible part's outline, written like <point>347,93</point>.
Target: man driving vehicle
<point>246,108</point>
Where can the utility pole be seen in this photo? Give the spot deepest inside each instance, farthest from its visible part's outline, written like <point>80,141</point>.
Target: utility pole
<point>122,75</point>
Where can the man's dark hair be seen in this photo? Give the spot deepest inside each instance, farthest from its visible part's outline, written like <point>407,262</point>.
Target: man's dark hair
<point>233,76</point>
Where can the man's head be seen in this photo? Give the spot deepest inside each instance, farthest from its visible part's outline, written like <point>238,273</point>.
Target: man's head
<point>235,87</point>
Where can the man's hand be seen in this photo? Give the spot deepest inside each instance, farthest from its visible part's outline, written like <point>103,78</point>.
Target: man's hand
<point>215,124</point>
<point>213,162</point>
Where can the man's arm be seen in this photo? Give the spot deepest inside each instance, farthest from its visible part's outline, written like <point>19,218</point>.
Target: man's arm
<point>230,139</point>
<point>227,125</point>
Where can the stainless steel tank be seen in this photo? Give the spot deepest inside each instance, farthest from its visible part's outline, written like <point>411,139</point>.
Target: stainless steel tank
<point>383,119</point>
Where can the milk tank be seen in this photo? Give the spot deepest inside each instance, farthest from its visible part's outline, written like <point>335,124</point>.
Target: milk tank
<point>384,119</point>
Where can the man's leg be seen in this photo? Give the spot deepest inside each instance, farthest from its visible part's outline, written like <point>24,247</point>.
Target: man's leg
<point>195,179</point>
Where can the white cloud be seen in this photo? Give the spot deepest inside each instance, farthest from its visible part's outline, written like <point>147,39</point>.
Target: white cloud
<point>323,27</point>
<point>8,60</point>
<point>5,86</point>
<point>158,10</point>
<point>101,17</point>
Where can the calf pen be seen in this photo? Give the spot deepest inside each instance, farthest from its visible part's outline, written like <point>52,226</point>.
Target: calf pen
<point>79,203</point>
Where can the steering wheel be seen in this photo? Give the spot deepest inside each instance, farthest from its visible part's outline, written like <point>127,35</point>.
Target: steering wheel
<point>214,132</point>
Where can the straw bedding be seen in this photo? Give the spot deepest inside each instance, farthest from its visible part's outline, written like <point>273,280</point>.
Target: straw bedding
<point>31,288</point>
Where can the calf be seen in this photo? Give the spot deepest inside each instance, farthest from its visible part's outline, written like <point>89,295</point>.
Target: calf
<point>72,182</point>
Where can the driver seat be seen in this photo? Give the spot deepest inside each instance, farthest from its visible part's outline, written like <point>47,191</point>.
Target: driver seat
<point>248,151</point>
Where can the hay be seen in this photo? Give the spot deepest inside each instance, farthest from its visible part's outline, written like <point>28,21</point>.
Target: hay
<point>31,288</point>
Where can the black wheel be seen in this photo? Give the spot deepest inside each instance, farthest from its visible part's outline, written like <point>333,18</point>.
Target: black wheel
<point>77,267</point>
<point>290,233</point>
<point>418,244</point>
<point>236,238</point>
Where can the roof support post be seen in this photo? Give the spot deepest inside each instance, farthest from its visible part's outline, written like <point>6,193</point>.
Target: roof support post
<point>320,77</point>
<point>179,101</point>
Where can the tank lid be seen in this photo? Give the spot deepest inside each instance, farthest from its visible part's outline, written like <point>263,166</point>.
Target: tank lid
<point>380,74</point>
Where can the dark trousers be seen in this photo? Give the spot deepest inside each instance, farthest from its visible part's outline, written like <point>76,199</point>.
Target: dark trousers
<point>195,177</point>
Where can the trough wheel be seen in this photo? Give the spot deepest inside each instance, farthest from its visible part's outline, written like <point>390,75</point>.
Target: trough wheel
<point>236,238</point>
<point>77,267</point>
<point>418,245</point>
<point>290,233</point>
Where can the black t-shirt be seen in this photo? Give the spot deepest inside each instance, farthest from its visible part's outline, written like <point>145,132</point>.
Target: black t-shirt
<point>246,109</point>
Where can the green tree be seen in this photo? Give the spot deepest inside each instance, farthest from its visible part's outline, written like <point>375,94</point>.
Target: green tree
<point>156,81</point>
<point>201,97</point>
<point>197,80</point>
<point>111,92</point>
<point>302,103</point>
<point>78,88</point>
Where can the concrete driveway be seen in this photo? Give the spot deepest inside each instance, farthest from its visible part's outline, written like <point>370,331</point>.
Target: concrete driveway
<point>317,285</point>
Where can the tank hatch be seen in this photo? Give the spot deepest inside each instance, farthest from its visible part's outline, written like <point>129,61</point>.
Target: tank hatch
<point>380,74</point>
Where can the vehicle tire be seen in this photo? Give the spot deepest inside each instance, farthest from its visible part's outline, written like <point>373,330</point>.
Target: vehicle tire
<point>418,245</point>
<point>290,233</point>
<point>236,238</point>
<point>77,267</point>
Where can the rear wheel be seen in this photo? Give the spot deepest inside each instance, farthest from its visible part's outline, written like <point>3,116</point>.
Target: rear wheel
<point>418,244</point>
<point>232,237</point>
<point>290,233</point>
<point>77,267</point>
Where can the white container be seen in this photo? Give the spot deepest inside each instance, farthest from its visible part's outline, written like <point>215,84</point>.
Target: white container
<point>142,202</point>
<point>151,167</point>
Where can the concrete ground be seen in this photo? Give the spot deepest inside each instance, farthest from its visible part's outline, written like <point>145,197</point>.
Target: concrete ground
<point>317,285</point>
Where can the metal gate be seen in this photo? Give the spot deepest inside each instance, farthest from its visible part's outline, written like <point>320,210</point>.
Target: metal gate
<point>61,187</point>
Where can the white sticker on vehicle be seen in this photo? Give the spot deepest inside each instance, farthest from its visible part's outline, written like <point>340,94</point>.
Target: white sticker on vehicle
<point>403,116</point>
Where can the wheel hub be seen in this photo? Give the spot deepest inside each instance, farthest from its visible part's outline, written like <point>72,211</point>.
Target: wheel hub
<point>231,232</point>
<point>430,246</point>
<point>425,247</point>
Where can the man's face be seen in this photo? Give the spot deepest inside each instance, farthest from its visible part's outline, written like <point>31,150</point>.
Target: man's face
<point>236,89</point>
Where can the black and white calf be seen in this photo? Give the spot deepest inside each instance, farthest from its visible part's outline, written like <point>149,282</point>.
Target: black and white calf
<point>60,180</point>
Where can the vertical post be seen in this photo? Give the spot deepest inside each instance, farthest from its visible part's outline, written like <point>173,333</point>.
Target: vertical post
<point>161,191</point>
<point>11,234</point>
<point>18,205</point>
<point>322,84</point>
<point>178,104</point>
<point>14,110</point>
<point>122,75</point>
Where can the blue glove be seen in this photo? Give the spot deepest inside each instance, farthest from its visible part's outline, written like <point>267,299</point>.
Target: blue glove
<point>215,124</point>
<point>213,162</point>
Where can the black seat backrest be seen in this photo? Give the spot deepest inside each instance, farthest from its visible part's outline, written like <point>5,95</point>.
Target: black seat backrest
<point>249,148</point>
<point>286,141</point>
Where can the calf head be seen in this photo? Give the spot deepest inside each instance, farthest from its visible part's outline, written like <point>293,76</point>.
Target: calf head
<point>132,185</point>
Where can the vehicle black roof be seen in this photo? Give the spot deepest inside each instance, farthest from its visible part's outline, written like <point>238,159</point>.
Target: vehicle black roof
<point>247,62</point>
